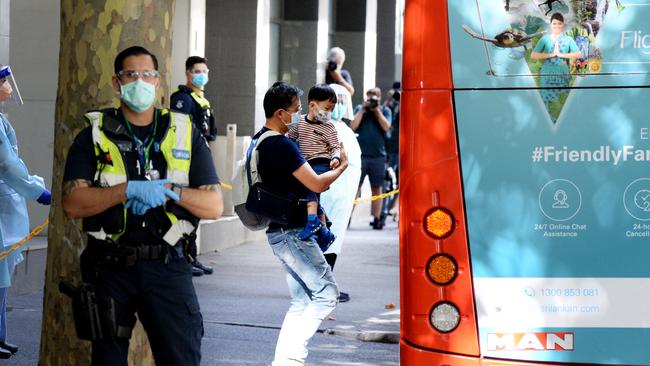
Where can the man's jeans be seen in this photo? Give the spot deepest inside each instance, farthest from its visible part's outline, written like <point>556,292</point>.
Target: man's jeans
<point>313,289</point>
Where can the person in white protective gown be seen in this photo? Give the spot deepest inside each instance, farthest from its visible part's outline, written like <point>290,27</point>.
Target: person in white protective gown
<point>338,201</point>
<point>16,185</point>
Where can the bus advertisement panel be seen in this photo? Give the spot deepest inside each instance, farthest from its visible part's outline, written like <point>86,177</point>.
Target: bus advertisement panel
<point>554,144</point>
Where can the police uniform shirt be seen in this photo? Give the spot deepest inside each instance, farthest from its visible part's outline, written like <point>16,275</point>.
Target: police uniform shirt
<point>182,101</point>
<point>82,164</point>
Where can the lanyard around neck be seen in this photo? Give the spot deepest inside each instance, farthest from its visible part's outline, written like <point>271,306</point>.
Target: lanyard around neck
<point>143,151</point>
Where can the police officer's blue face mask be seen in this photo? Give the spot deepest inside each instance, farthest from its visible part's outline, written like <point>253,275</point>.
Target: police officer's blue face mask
<point>138,95</point>
<point>199,80</point>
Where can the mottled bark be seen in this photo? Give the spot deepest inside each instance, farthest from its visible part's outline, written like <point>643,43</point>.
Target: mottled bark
<point>92,33</point>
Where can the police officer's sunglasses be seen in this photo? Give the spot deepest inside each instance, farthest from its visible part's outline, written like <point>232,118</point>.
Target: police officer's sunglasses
<point>131,75</point>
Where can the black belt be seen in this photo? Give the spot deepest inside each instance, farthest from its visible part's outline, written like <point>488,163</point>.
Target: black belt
<point>127,254</point>
<point>148,252</point>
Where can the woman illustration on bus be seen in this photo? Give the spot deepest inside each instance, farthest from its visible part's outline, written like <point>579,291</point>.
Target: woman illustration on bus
<point>556,50</point>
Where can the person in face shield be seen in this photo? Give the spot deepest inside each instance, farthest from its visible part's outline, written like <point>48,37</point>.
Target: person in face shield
<point>16,185</point>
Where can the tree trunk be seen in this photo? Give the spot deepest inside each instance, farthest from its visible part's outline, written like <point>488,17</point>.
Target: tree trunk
<point>92,33</point>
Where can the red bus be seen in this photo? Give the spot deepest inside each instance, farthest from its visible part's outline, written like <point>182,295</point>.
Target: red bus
<point>524,192</point>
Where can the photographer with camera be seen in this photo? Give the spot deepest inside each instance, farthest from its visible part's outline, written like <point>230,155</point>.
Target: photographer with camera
<point>335,74</point>
<point>371,123</point>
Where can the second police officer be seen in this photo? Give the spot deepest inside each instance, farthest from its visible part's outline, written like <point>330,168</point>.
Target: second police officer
<point>140,227</point>
<point>190,99</point>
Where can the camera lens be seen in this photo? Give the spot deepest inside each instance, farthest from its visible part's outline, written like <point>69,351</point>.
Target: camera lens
<point>331,65</point>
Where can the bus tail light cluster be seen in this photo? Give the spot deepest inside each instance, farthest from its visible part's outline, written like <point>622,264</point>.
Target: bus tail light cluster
<point>442,269</point>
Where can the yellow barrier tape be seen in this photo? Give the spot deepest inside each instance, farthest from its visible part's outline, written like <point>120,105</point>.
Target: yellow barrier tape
<point>361,200</point>
<point>37,230</point>
<point>377,197</point>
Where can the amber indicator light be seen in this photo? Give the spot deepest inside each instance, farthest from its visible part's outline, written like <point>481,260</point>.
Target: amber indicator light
<point>439,223</point>
<point>442,269</point>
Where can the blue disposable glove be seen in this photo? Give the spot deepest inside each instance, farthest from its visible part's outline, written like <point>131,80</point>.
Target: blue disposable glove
<point>45,198</point>
<point>137,207</point>
<point>150,192</point>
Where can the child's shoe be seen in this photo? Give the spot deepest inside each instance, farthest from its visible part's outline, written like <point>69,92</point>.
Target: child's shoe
<point>311,228</point>
<point>325,239</point>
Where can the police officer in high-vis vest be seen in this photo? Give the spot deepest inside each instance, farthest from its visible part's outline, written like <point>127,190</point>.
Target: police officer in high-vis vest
<point>190,99</point>
<point>140,178</point>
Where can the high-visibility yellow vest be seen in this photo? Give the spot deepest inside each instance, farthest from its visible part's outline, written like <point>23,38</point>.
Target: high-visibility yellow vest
<point>200,99</point>
<point>204,118</point>
<point>176,147</point>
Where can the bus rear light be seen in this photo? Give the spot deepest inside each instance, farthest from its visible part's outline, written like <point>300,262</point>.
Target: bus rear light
<point>445,317</point>
<point>442,269</point>
<point>439,223</point>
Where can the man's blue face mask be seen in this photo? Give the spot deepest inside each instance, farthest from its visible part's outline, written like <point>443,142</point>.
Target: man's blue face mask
<point>199,80</point>
<point>138,95</point>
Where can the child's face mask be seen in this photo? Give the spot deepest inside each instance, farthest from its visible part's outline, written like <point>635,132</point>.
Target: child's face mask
<point>321,115</point>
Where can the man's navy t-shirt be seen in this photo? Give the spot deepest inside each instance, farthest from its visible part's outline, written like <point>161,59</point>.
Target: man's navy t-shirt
<point>82,164</point>
<point>278,158</point>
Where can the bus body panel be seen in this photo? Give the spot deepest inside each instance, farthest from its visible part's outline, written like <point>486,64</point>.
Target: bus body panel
<point>603,104</point>
<point>427,63</point>
<point>558,223</point>
<point>414,356</point>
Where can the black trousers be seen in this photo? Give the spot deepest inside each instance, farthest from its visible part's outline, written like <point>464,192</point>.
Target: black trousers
<point>163,297</point>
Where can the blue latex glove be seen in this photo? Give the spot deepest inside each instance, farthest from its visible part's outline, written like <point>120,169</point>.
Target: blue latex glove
<point>137,207</point>
<point>45,198</point>
<point>150,192</point>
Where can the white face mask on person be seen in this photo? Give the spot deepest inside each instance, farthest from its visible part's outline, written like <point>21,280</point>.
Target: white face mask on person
<point>295,118</point>
<point>139,95</point>
<point>321,115</point>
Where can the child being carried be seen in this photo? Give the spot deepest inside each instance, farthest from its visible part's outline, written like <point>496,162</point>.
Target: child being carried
<point>319,144</point>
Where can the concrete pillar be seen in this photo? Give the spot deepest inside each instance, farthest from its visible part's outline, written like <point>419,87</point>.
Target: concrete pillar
<point>4,32</point>
<point>34,58</point>
<point>299,43</point>
<point>188,39</point>
<point>399,39</point>
<point>231,39</point>
<point>386,20</point>
<point>355,29</point>
<point>197,28</point>
<point>180,43</point>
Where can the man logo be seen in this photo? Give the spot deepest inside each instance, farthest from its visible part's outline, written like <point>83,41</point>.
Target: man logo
<point>562,341</point>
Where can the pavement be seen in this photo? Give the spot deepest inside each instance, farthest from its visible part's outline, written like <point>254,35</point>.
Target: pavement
<point>244,301</point>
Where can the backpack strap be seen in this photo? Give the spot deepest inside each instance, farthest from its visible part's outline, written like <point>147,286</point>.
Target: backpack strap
<point>251,148</point>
